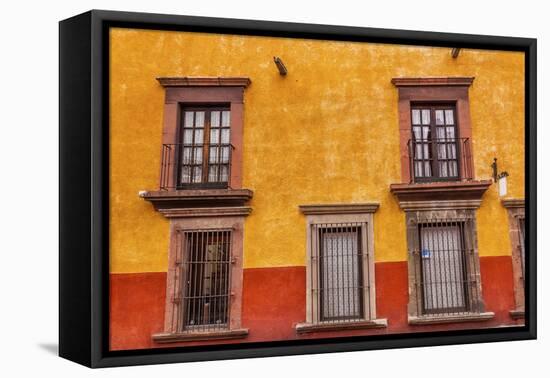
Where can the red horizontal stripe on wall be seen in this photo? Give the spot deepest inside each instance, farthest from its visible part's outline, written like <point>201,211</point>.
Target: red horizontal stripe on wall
<point>274,300</point>
<point>136,309</point>
<point>392,293</point>
<point>497,285</point>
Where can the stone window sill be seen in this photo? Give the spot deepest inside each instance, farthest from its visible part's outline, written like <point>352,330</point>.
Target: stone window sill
<point>517,314</point>
<point>441,319</point>
<point>200,336</point>
<point>302,328</point>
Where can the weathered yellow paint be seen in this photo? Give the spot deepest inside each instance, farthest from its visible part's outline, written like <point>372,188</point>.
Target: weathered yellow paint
<point>325,133</point>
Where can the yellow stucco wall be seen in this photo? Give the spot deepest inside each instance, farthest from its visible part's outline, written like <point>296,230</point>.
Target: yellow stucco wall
<point>325,133</point>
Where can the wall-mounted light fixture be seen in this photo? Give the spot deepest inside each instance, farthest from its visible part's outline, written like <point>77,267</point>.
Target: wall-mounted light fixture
<point>455,52</point>
<point>280,65</point>
<point>500,178</point>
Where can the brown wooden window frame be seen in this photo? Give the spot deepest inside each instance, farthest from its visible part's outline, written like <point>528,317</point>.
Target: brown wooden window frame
<point>206,145</point>
<point>433,143</point>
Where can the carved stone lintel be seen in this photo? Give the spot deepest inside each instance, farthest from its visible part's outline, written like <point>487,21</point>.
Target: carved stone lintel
<point>512,203</point>
<point>432,81</point>
<point>229,211</point>
<point>440,191</point>
<point>203,81</point>
<point>344,208</point>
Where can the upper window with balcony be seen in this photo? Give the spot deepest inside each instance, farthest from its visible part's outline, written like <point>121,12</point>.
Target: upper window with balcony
<point>435,133</point>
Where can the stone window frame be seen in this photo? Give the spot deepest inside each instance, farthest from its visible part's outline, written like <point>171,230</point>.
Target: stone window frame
<point>192,91</point>
<point>422,212</point>
<point>516,210</point>
<point>432,90</point>
<point>203,219</point>
<point>342,213</point>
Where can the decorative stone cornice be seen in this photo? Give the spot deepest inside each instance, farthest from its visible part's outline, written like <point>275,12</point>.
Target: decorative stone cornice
<point>200,198</point>
<point>432,81</point>
<point>513,203</point>
<point>204,81</point>
<point>344,208</point>
<point>230,211</point>
<point>440,191</point>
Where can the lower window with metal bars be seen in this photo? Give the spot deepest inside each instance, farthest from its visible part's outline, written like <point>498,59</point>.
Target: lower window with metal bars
<point>445,268</point>
<point>204,268</point>
<point>339,273</point>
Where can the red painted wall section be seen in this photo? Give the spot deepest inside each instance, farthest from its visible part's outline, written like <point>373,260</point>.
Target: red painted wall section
<point>497,285</point>
<point>392,293</point>
<point>136,309</point>
<point>274,301</point>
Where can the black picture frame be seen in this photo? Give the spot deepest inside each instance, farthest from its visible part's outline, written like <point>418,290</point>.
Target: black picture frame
<point>84,189</point>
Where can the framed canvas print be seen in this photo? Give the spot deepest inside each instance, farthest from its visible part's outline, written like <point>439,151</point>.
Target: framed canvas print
<point>233,188</point>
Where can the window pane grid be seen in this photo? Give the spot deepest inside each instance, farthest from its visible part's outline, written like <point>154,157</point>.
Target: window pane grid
<point>204,270</point>
<point>205,151</point>
<point>337,280</point>
<point>434,144</point>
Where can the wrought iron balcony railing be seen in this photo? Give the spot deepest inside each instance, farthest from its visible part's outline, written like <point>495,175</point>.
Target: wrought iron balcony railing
<point>441,159</point>
<point>195,166</point>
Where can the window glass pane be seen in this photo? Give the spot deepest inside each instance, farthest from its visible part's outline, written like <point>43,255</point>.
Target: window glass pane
<point>213,154</point>
<point>188,119</point>
<point>199,136</point>
<point>225,136</point>
<point>450,132</point>
<point>340,275</point>
<point>439,117</point>
<point>199,119</point>
<point>416,117</point>
<point>225,118</point>
<point>449,119</point>
<point>198,155</point>
<point>416,132</point>
<point>188,136</point>
<point>215,119</point>
<point>425,116</point>
<point>224,155</point>
<point>442,260</point>
<point>186,174</point>
<point>213,173</point>
<point>214,136</point>
<point>197,174</point>
<point>186,158</point>
<point>224,170</point>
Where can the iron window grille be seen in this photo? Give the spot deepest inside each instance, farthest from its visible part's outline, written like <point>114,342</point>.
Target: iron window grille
<point>436,153</point>
<point>446,268</point>
<point>339,272</point>
<point>203,295</point>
